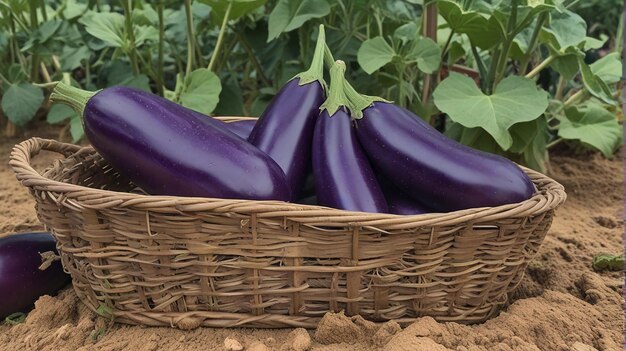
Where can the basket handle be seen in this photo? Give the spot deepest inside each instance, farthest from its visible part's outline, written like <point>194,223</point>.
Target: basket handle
<point>24,152</point>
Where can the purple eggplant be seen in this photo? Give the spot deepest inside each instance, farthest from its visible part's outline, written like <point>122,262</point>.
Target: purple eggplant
<point>165,149</point>
<point>344,178</point>
<point>398,202</point>
<point>429,167</point>
<point>285,129</point>
<point>21,280</point>
<point>242,128</point>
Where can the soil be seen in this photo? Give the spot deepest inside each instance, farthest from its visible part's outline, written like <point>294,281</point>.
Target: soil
<point>561,304</point>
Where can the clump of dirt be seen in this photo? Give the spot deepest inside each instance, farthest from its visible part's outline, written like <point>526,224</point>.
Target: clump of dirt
<point>561,304</point>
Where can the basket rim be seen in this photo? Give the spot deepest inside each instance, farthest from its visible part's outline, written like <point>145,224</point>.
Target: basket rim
<point>549,196</point>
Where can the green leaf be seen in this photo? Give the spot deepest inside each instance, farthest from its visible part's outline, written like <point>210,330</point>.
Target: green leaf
<point>566,29</point>
<point>21,102</point>
<point>427,54</point>
<point>603,262</point>
<point>407,32</point>
<point>593,43</point>
<point>73,9</point>
<point>201,91</point>
<point>459,20</point>
<point>536,154</point>
<point>374,53</point>
<point>608,68</point>
<point>231,99</point>
<point>144,33</point>
<point>566,66</point>
<point>72,58</point>
<point>516,99</point>
<point>76,128</point>
<point>141,82</point>
<point>594,84</point>
<point>594,126</point>
<point>16,73</point>
<point>239,8</point>
<point>106,26</point>
<point>59,113</point>
<point>288,15</point>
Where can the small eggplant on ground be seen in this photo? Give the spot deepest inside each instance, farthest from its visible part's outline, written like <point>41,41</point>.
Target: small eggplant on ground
<point>344,178</point>
<point>166,149</point>
<point>21,280</point>
<point>285,129</point>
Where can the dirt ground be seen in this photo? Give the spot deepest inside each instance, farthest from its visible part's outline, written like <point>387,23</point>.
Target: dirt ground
<point>561,304</point>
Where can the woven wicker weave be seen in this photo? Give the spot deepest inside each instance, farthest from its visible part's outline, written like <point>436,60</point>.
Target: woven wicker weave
<point>186,262</point>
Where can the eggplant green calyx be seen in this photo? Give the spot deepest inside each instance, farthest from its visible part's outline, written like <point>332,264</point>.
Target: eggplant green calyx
<point>316,70</point>
<point>72,97</point>
<point>359,102</point>
<point>336,93</point>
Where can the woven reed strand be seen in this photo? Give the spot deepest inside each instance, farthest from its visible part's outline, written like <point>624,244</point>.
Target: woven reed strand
<point>189,262</point>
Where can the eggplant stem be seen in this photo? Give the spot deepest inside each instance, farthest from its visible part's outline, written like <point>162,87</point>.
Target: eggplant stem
<point>72,97</point>
<point>336,93</point>
<point>316,70</point>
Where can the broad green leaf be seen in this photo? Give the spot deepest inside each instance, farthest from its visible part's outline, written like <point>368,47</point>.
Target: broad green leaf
<point>594,84</point>
<point>239,8</point>
<point>73,9</point>
<point>145,16</point>
<point>516,99</point>
<point>521,43</point>
<point>143,33</point>
<point>455,52</point>
<point>608,68</point>
<point>593,125</point>
<point>59,113</point>
<point>459,20</point>
<point>141,82</point>
<point>566,66</point>
<point>566,29</point>
<point>536,154</point>
<point>16,73</point>
<point>76,129</point>
<point>593,43</point>
<point>483,31</point>
<point>21,102</point>
<point>288,15</point>
<point>72,58</point>
<point>201,91</point>
<point>524,133</point>
<point>231,99</point>
<point>374,53</point>
<point>407,32</point>
<point>427,54</point>
<point>106,26</point>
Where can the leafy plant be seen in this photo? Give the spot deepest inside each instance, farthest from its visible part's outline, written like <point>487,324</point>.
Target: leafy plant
<point>511,77</point>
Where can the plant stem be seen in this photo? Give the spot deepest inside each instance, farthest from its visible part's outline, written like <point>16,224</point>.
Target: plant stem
<point>72,97</point>
<point>190,38</point>
<point>492,70</point>
<point>575,97</point>
<point>533,42</point>
<point>554,143</point>
<point>400,88</point>
<point>220,37</point>
<point>504,54</point>
<point>545,63</point>
<point>160,78</point>
<point>447,44</point>
<point>130,34</point>
<point>44,11</point>
<point>44,72</point>
<point>255,62</point>
<point>479,62</point>
<point>559,88</point>
<point>34,59</point>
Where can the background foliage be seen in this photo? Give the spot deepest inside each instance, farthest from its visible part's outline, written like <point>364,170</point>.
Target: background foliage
<point>514,77</point>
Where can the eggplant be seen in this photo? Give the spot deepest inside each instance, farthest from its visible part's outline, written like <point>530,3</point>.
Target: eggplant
<point>398,202</point>
<point>344,178</point>
<point>165,149</point>
<point>431,168</point>
<point>21,280</point>
<point>242,128</point>
<point>285,128</point>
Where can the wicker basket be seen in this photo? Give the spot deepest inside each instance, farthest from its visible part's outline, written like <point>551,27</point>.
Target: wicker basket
<point>189,262</point>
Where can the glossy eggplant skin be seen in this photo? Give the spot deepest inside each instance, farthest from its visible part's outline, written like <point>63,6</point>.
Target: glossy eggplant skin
<point>285,130</point>
<point>242,128</point>
<point>433,169</point>
<point>165,149</point>
<point>398,202</point>
<point>344,178</point>
<point>21,280</point>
